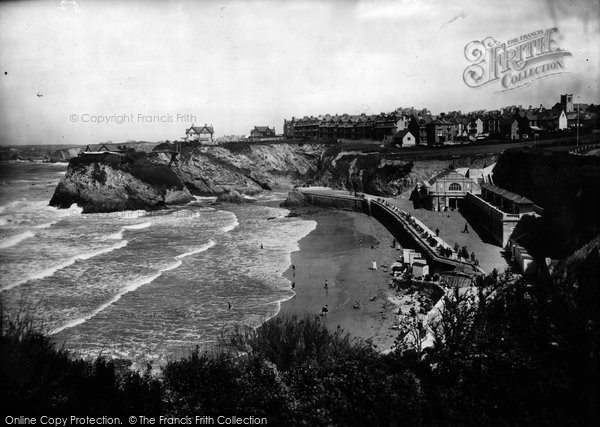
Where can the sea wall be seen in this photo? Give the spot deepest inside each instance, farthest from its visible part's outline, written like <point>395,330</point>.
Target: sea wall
<point>299,198</point>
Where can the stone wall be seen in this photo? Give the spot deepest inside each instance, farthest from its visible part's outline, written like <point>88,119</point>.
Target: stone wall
<point>497,225</point>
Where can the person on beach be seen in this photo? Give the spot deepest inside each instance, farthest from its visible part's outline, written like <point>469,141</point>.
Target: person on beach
<point>261,245</point>
<point>373,265</point>
<point>229,305</point>
<point>466,229</point>
<point>326,286</point>
<point>324,310</point>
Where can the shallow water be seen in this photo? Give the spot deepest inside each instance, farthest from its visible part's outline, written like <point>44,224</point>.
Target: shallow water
<point>139,285</point>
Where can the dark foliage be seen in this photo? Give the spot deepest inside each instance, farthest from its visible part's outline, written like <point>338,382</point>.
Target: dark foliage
<point>513,352</point>
<point>568,189</point>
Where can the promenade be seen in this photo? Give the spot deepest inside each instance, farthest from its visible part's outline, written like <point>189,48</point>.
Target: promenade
<point>488,255</point>
<point>451,225</point>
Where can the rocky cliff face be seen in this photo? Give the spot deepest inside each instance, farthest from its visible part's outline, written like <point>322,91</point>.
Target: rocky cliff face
<point>107,185</point>
<point>149,181</point>
<point>366,172</point>
<point>246,168</point>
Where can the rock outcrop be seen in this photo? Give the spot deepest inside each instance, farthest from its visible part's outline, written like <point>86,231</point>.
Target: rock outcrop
<point>151,180</point>
<point>232,196</point>
<point>246,168</point>
<point>106,185</point>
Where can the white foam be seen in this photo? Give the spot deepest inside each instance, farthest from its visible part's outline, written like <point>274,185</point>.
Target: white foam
<point>50,271</point>
<point>129,288</point>
<point>13,240</point>
<point>231,226</point>
<point>46,225</point>
<point>137,226</point>
<point>202,248</point>
<point>119,234</point>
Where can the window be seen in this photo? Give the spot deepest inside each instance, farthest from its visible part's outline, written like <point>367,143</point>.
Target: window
<point>454,187</point>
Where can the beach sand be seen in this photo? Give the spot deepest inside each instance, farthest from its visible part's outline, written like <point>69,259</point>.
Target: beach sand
<point>341,250</point>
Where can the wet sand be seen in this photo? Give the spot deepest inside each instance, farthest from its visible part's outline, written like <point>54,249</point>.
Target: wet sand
<point>340,250</point>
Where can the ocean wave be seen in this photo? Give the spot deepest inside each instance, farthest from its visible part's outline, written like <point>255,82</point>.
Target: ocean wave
<point>231,226</point>
<point>19,209</point>
<point>46,224</point>
<point>52,270</point>
<point>119,234</point>
<point>202,248</point>
<point>205,198</point>
<point>17,238</point>
<point>132,286</point>
<point>137,226</point>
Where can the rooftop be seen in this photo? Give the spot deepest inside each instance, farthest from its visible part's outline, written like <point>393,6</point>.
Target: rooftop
<point>516,198</point>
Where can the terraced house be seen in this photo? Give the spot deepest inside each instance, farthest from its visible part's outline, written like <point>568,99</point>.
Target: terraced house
<point>376,127</point>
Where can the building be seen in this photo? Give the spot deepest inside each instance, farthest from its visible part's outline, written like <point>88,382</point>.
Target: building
<point>476,126</point>
<point>378,127</point>
<point>289,128</point>
<point>262,132</point>
<point>497,212</point>
<point>440,131</point>
<point>102,149</point>
<point>566,102</point>
<point>418,127</point>
<point>505,200</point>
<point>404,138</point>
<point>447,190</point>
<point>202,134</point>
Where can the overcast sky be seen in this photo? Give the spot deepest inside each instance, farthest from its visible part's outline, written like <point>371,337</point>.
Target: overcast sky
<point>237,64</point>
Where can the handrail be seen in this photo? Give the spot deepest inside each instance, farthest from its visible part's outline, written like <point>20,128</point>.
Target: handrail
<point>432,253</point>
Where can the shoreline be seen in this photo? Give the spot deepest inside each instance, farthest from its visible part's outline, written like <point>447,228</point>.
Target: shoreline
<point>341,250</point>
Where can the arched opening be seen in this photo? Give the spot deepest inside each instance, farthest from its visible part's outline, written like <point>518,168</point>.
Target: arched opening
<point>454,187</point>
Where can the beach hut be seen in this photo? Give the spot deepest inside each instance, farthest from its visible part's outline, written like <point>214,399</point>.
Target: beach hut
<point>406,255</point>
<point>420,268</point>
<point>414,256</point>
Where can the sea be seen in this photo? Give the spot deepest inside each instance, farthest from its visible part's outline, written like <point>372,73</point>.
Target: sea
<point>147,287</point>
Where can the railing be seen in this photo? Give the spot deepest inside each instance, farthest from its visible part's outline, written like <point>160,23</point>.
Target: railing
<point>424,244</point>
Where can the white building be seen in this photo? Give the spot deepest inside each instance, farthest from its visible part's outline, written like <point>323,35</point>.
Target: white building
<point>202,134</point>
<point>404,138</point>
<point>562,120</point>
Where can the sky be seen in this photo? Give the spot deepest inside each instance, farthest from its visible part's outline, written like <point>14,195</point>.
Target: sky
<point>78,72</point>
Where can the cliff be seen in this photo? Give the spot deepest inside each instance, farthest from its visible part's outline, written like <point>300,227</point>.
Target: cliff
<point>152,180</point>
<point>244,167</point>
<point>110,183</point>
<point>566,186</point>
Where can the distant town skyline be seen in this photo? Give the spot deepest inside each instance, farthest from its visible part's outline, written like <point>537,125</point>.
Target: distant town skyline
<point>236,65</point>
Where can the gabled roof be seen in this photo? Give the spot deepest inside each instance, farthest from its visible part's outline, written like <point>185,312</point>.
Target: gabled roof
<point>101,147</point>
<point>262,128</point>
<point>444,174</point>
<point>402,133</point>
<point>201,129</point>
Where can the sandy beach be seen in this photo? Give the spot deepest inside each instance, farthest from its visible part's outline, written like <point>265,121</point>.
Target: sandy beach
<point>341,250</point>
